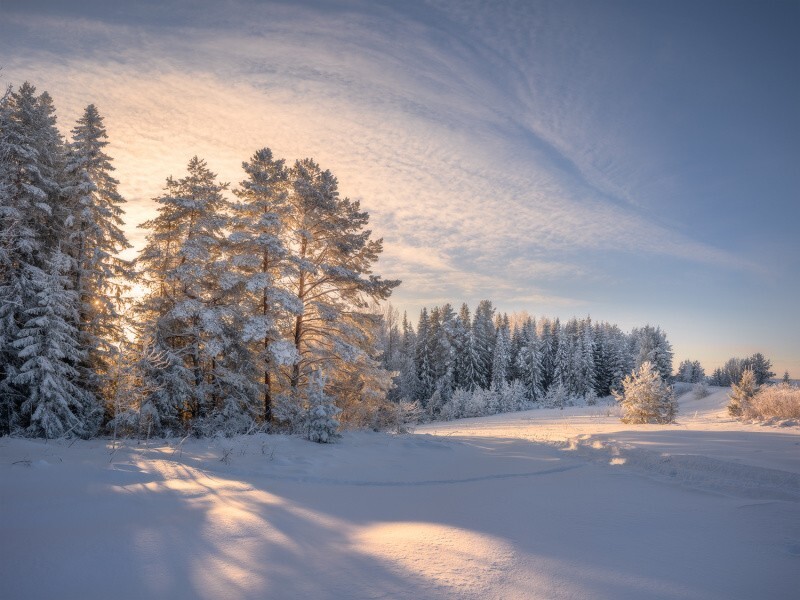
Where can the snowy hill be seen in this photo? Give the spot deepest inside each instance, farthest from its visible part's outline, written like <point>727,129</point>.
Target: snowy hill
<point>540,504</point>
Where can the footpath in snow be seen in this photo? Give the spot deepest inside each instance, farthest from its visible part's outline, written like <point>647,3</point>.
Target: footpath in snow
<point>540,504</point>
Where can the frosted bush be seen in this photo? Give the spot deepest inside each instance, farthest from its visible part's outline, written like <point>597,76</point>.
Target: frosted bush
<point>646,398</point>
<point>407,414</point>
<point>320,423</point>
<point>700,390</point>
<point>556,396</point>
<point>590,398</point>
<point>742,393</point>
<point>682,387</point>
<point>774,402</point>
<point>455,407</point>
<point>288,414</point>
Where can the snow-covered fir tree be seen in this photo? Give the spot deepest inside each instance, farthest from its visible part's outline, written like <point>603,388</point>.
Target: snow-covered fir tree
<point>529,363</point>
<point>650,344</point>
<point>761,367</point>
<point>95,239</point>
<point>690,371</point>
<point>33,224</point>
<point>484,334</point>
<point>320,413</point>
<point>408,383</point>
<point>501,361</point>
<point>423,358</point>
<point>55,403</point>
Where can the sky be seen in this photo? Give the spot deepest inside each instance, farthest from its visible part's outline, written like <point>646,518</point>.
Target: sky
<point>635,161</point>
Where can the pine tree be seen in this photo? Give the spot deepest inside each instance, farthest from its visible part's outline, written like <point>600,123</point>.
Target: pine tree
<point>332,279</point>
<point>262,264</point>
<point>188,318</point>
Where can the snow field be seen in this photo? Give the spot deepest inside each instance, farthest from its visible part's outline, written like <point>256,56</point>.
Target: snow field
<point>541,504</point>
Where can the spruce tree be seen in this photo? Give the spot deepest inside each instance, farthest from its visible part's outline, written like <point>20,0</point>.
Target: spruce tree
<point>95,239</point>
<point>55,405</point>
<point>423,358</point>
<point>33,224</point>
<point>408,382</point>
<point>483,331</point>
<point>501,361</point>
<point>650,344</point>
<point>761,367</point>
<point>529,362</point>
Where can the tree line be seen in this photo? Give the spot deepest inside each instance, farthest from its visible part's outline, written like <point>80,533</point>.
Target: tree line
<point>463,364</point>
<point>257,304</point>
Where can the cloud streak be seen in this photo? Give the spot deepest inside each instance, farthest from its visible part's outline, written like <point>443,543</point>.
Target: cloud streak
<point>476,177</point>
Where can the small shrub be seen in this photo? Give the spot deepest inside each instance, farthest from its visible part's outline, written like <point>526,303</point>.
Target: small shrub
<point>320,421</point>
<point>681,387</point>
<point>556,396</point>
<point>700,390</point>
<point>742,393</point>
<point>774,402</point>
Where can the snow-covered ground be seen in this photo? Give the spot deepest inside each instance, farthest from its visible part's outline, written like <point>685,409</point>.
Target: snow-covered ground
<point>540,504</point>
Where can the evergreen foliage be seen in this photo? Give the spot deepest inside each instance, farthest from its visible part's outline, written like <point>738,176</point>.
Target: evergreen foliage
<point>690,371</point>
<point>532,363</point>
<point>733,369</point>
<point>320,414</point>
<point>646,397</point>
<point>55,404</point>
<point>261,263</point>
<point>94,241</point>
<point>742,394</point>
